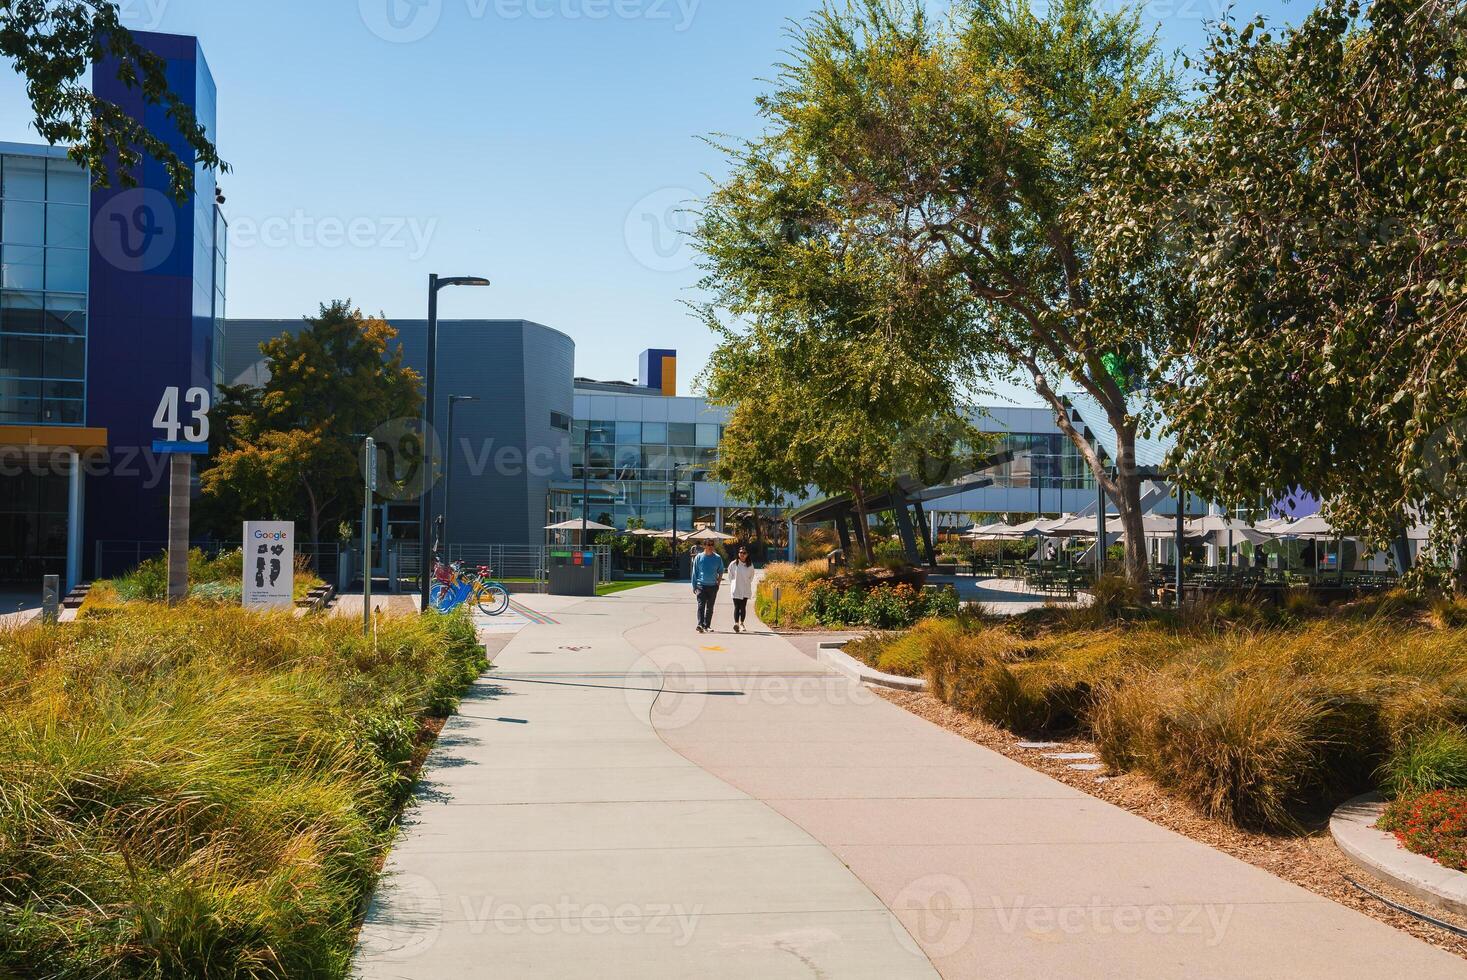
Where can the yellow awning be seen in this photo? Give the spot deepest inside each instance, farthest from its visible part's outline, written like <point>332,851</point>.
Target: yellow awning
<point>53,437</point>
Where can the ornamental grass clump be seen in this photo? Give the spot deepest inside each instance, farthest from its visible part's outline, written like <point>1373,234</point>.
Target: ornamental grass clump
<point>1253,726</point>
<point>1429,761</point>
<point>203,791</point>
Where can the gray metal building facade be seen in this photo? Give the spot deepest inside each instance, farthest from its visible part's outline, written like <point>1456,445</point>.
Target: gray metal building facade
<point>509,445</point>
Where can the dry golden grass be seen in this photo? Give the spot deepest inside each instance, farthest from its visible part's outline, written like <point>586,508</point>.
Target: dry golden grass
<point>1250,725</point>
<point>201,791</point>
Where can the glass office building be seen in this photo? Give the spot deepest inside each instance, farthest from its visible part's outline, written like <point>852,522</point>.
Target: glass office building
<point>108,296</point>
<point>646,455</point>
<point>44,221</point>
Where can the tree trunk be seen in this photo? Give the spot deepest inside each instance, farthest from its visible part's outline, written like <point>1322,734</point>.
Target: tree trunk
<point>858,499</point>
<point>1138,564</point>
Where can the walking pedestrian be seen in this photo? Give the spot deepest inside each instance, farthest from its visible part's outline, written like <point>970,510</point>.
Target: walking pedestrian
<point>707,576</point>
<point>741,574</point>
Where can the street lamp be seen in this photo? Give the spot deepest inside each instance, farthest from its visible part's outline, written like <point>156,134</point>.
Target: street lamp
<point>425,505</point>
<point>586,480</point>
<point>453,401</point>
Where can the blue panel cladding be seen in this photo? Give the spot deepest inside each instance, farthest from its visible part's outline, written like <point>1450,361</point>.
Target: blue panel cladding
<point>146,332</point>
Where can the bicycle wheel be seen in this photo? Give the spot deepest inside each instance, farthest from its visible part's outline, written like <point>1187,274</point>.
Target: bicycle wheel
<point>438,597</point>
<point>494,600</point>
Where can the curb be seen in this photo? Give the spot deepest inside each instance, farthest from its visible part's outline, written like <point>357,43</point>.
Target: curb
<point>832,656</point>
<point>1353,828</point>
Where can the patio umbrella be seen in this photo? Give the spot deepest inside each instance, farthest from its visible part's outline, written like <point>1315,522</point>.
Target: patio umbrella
<point>1158,526</point>
<point>576,526</point>
<point>1039,527</point>
<point>994,532</point>
<point>708,534</point>
<point>1084,527</point>
<point>1217,529</point>
<point>1310,527</point>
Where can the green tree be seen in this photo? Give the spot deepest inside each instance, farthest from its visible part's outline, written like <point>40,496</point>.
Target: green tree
<point>54,45</point>
<point>1326,170</point>
<point>969,156</point>
<point>291,448</point>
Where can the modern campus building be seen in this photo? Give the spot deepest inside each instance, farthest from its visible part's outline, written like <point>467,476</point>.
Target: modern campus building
<point>107,297</point>
<point>535,438</point>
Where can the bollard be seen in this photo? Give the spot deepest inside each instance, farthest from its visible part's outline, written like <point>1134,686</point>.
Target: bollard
<point>778,594</point>
<point>51,598</point>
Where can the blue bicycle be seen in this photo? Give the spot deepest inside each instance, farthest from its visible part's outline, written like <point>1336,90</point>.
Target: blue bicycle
<point>454,586</point>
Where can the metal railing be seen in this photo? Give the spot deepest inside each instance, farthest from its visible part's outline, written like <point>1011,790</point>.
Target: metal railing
<point>524,562</point>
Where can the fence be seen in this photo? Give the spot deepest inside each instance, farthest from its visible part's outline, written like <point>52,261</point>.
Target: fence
<point>525,562</point>
<point>522,562</point>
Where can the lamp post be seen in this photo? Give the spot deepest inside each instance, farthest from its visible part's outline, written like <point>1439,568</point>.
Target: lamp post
<point>453,402</point>
<point>586,481</point>
<point>425,505</point>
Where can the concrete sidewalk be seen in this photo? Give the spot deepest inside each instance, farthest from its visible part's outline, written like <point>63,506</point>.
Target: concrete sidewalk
<point>559,836</point>
<point>624,797</point>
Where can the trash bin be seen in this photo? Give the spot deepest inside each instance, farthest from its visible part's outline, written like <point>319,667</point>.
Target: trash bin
<point>572,573</point>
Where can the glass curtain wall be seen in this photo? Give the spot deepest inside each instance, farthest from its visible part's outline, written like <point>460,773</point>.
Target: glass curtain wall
<point>44,250</point>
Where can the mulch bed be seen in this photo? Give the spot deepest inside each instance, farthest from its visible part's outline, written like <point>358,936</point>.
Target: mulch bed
<point>1312,862</point>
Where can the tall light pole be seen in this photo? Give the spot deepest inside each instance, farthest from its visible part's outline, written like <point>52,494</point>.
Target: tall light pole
<point>453,401</point>
<point>586,480</point>
<point>425,505</point>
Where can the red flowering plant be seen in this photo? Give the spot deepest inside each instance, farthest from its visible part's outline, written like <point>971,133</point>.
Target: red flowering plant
<point>1433,824</point>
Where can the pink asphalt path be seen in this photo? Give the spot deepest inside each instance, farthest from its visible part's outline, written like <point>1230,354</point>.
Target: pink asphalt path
<point>995,869</point>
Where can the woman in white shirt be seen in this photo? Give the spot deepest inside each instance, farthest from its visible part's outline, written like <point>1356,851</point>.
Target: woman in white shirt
<point>741,573</point>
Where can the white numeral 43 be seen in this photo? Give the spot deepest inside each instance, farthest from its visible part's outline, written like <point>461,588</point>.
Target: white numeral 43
<point>167,419</point>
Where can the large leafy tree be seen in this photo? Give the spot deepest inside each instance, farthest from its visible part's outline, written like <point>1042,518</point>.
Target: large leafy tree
<point>969,155</point>
<point>290,449</point>
<point>1327,168</point>
<point>54,45</point>
<point>819,357</point>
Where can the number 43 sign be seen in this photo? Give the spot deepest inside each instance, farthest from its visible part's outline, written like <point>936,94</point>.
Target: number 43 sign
<point>180,435</point>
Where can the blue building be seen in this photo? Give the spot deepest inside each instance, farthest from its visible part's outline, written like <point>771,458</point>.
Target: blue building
<point>107,297</point>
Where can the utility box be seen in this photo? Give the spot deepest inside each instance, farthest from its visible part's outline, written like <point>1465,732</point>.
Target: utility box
<point>572,573</point>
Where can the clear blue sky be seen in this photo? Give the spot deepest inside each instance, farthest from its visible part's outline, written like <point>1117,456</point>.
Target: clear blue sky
<point>546,144</point>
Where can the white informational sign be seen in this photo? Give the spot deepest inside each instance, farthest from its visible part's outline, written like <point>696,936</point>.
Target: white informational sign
<point>269,564</point>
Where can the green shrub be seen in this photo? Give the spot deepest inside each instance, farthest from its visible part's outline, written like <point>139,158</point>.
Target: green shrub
<point>1432,760</point>
<point>202,791</point>
<point>218,579</point>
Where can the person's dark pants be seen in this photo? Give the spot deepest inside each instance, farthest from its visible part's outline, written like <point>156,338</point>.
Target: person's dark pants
<point>741,611</point>
<point>707,596</point>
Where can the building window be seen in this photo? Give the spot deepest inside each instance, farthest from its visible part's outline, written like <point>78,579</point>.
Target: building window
<point>561,421</point>
<point>44,234</point>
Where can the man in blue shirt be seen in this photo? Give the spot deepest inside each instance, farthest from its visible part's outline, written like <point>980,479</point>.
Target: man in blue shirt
<point>707,576</point>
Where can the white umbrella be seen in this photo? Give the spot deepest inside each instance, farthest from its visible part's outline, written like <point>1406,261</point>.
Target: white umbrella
<point>994,532</point>
<point>1039,527</point>
<point>1082,527</point>
<point>708,534</point>
<point>1310,527</point>
<point>1157,526</point>
<point>576,526</point>
<point>1217,527</point>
